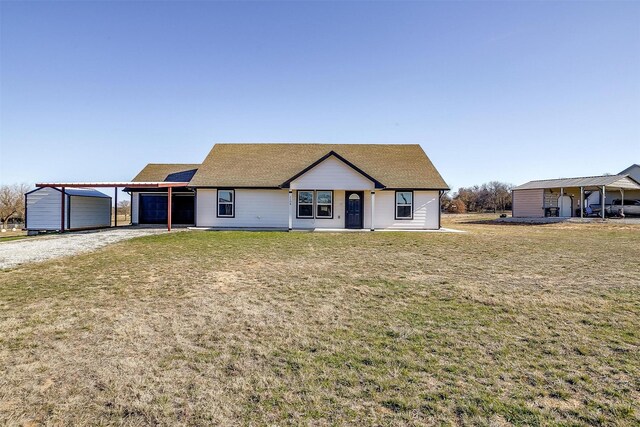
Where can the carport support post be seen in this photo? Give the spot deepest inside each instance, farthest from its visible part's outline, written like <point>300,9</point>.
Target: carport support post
<point>604,194</point>
<point>169,209</point>
<point>62,210</point>
<point>581,202</point>
<point>290,208</point>
<point>115,209</point>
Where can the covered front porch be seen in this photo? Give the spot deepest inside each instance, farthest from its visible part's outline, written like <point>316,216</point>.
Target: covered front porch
<point>353,209</point>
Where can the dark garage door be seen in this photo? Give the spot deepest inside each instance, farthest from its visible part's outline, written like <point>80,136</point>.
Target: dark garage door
<point>153,209</point>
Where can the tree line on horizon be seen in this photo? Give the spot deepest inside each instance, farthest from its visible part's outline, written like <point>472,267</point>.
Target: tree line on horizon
<point>494,196</point>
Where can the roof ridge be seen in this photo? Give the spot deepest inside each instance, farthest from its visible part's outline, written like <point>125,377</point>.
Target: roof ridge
<point>319,143</point>
<point>175,164</point>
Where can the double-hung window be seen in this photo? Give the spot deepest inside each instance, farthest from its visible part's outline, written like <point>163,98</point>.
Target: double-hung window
<point>226,203</point>
<point>324,204</point>
<point>404,204</point>
<point>305,204</point>
<point>315,204</point>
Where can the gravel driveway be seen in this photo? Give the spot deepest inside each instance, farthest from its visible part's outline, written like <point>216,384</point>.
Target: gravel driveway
<point>47,247</point>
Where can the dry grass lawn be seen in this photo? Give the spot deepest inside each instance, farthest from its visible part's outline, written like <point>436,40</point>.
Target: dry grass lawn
<point>10,235</point>
<point>528,325</point>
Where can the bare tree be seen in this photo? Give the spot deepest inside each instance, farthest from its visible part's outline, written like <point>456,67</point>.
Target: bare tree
<point>500,193</point>
<point>445,201</point>
<point>495,196</point>
<point>12,202</point>
<point>124,208</point>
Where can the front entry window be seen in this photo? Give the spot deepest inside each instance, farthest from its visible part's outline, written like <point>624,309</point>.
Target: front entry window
<point>324,204</point>
<point>305,204</point>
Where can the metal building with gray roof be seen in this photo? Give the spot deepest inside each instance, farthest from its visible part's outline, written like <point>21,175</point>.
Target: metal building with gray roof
<point>576,197</point>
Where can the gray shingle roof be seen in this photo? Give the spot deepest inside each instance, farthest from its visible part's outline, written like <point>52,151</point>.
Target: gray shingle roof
<point>627,170</point>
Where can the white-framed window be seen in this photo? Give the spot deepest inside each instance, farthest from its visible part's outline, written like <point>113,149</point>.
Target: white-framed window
<point>305,204</point>
<point>226,204</point>
<point>404,204</point>
<point>324,204</point>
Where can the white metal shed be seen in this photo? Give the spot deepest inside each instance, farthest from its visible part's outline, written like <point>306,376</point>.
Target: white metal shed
<point>48,209</point>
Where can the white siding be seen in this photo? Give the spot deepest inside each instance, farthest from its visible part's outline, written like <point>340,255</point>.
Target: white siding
<point>528,203</point>
<point>269,209</point>
<point>43,209</point>
<point>87,212</point>
<point>426,211</point>
<point>332,174</point>
<point>135,203</point>
<point>253,208</point>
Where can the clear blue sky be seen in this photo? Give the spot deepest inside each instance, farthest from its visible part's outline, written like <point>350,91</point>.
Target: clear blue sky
<point>508,91</point>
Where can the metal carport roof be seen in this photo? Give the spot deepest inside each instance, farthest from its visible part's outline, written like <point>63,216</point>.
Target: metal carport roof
<point>612,181</point>
<point>129,184</point>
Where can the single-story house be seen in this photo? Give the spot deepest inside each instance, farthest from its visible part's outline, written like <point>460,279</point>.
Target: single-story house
<point>53,209</point>
<point>295,186</point>
<point>576,197</point>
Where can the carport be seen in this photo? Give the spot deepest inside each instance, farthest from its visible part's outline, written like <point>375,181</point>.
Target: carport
<point>115,185</point>
<point>557,197</point>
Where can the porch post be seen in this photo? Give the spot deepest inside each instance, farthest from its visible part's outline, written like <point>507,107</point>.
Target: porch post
<point>169,209</point>
<point>115,216</point>
<point>622,202</point>
<point>581,202</point>
<point>561,201</point>
<point>62,201</point>
<point>290,209</point>
<point>373,206</point>
<point>604,195</point>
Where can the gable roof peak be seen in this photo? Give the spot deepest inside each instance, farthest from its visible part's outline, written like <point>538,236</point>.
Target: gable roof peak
<point>332,153</point>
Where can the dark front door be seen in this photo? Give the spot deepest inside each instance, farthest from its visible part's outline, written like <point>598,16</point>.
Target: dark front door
<point>354,209</point>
